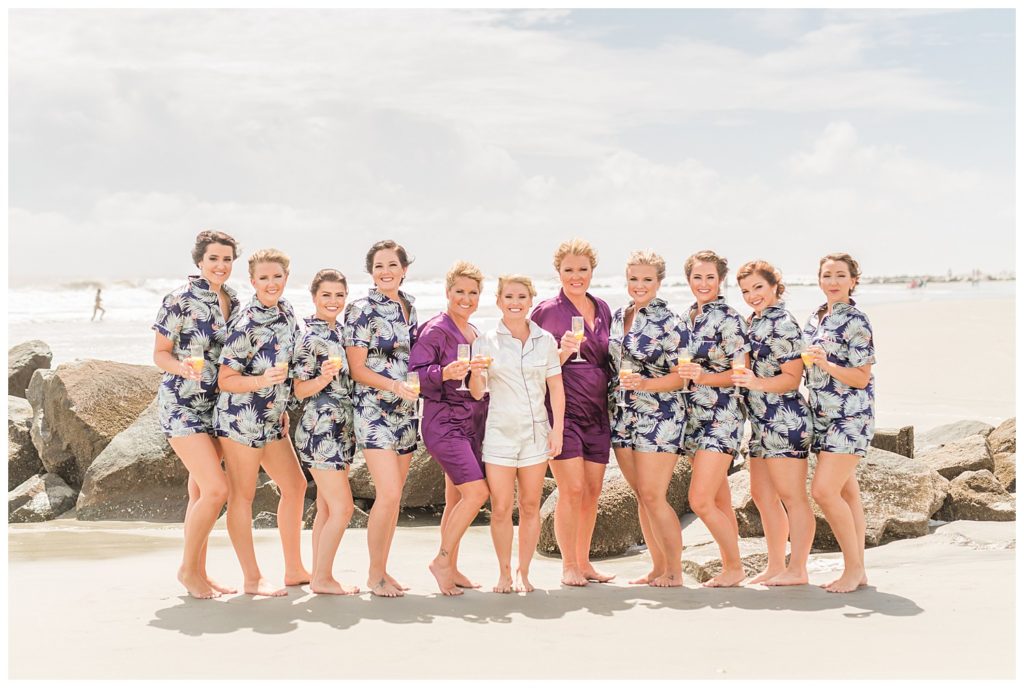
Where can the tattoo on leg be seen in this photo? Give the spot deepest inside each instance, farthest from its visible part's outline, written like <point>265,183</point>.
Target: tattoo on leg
<point>444,552</point>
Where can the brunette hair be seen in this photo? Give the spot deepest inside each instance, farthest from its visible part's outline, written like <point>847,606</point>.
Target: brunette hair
<point>516,279</point>
<point>268,255</point>
<point>853,265</point>
<point>647,258</point>
<point>721,264</point>
<point>463,268</point>
<point>207,237</point>
<point>764,269</point>
<point>575,247</point>
<point>386,244</point>
<point>327,275</point>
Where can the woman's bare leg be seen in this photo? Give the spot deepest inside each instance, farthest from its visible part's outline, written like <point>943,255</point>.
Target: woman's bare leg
<point>789,476</point>
<point>709,472</point>
<point>773,517</point>
<point>474,494</point>
<point>593,481</point>
<point>208,491</point>
<point>404,463</point>
<point>282,465</point>
<point>569,477</point>
<point>831,475</point>
<point>333,487</point>
<point>654,472</point>
<point>501,481</point>
<point>385,470</point>
<point>243,466</point>
<point>627,464</point>
<point>531,489</point>
<point>451,498</point>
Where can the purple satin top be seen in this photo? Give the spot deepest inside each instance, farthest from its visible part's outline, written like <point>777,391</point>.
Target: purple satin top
<point>586,382</point>
<point>446,411</point>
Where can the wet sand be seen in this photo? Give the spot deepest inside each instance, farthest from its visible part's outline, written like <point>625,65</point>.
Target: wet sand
<point>100,601</point>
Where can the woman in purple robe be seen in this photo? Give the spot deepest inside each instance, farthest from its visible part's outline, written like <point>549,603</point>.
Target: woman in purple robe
<point>586,446</point>
<point>453,421</point>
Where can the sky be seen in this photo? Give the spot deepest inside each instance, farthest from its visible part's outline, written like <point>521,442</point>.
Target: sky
<point>493,135</point>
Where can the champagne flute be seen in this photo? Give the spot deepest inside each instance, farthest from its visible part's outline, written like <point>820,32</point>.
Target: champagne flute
<point>481,352</point>
<point>412,381</point>
<point>195,359</point>
<point>625,370</point>
<point>578,330</point>
<point>463,356</point>
<point>281,363</point>
<point>808,359</point>
<point>739,364</point>
<point>334,354</point>
<point>684,357</point>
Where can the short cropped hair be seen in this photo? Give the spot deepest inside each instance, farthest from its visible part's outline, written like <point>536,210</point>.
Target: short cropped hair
<point>575,247</point>
<point>463,268</point>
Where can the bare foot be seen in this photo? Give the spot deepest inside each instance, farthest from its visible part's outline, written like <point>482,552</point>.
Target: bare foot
<point>329,586</point>
<point>788,577</point>
<point>443,575</point>
<point>504,583</point>
<point>645,579</point>
<point>572,576</point>
<point>728,578</point>
<point>848,582</point>
<point>668,580</point>
<point>523,581</point>
<point>300,577</point>
<point>463,582</point>
<point>764,576</point>
<point>592,574</point>
<point>395,583</point>
<point>223,589</point>
<point>197,586</point>
<point>263,588</point>
<point>382,588</point>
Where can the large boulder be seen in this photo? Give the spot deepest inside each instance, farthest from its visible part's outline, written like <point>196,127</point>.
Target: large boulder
<point>22,458</point>
<point>267,495</point>
<point>23,360</point>
<point>617,528</point>
<point>704,562</point>
<point>951,432</point>
<point>137,477</point>
<point>40,498</point>
<point>1006,470</point>
<point>53,453</point>
<point>424,485</point>
<point>950,460</point>
<point>87,403</point>
<point>978,496</point>
<point>1003,440</point>
<point>895,440</point>
<point>679,487</point>
<point>899,495</point>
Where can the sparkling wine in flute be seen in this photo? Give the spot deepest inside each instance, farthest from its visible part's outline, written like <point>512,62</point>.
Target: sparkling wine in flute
<point>684,357</point>
<point>739,364</point>
<point>464,354</point>
<point>195,359</point>
<point>577,333</point>
<point>334,354</point>
<point>625,370</point>
<point>807,358</point>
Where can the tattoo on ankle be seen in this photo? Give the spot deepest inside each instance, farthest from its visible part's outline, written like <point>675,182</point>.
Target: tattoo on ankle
<point>444,552</point>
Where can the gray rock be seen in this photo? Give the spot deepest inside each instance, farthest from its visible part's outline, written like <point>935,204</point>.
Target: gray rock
<point>679,487</point>
<point>1003,440</point>
<point>268,494</point>
<point>703,562</point>
<point>895,440</point>
<point>40,498</point>
<point>1006,470</point>
<point>23,360</point>
<point>265,520</point>
<point>423,487</point>
<point>22,458</point>
<point>978,496</point>
<point>85,404</point>
<point>137,477</point>
<point>944,434</point>
<point>899,496</point>
<point>617,528</point>
<point>950,460</point>
<point>53,453</point>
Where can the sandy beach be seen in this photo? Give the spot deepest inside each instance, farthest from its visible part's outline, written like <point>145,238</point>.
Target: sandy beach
<point>940,606</point>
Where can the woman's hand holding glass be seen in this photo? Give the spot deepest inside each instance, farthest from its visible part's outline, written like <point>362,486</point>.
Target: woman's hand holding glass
<point>817,355</point>
<point>570,343</point>
<point>690,371</point>
<point>746,378</point>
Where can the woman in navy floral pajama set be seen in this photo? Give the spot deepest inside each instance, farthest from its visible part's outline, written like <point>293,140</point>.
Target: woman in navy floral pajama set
<point>780,423</point>
<point>714,422</point>
<point>192,319</point>
<point>842,398</point>
<point>252,418</point>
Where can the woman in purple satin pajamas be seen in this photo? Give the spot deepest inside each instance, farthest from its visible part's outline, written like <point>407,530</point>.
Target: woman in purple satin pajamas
<point>586,447</point>
<point>453,421</point>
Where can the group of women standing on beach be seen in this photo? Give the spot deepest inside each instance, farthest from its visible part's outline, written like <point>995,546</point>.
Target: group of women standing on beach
<point>558,386</point>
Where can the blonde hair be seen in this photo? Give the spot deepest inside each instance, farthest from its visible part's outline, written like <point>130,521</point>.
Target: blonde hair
<point>268,255</point>
<point>463,268</point>
<point>575,247</point>
<point>721,264</point>
<point>516,279</point>
<point>853,265</point>
<point>766,270</point>
<point>647,258</point>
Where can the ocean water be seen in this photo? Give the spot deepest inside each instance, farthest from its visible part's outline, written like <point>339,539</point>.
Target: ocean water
<point>60,314</point>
